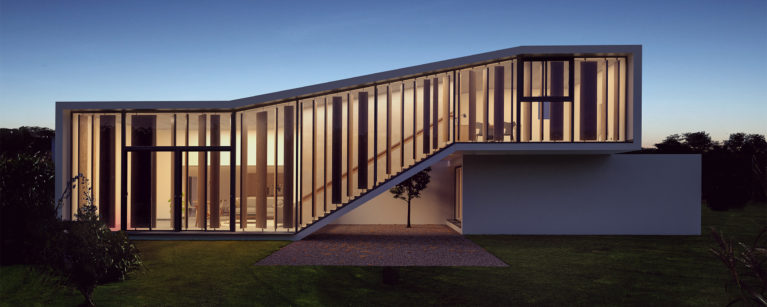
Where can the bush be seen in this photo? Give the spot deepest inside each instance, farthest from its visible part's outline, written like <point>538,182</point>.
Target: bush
<point>86,253</point>
<point>734,171</point>
<point>728,181</point>
<point>748,276</point>
<point>27,210</point>
<point>27,207</point>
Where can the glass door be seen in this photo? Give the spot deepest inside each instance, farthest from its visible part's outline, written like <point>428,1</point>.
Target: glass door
<point>201,193</point>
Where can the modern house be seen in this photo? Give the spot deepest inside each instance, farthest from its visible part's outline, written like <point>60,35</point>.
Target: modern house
<point>526,140</point>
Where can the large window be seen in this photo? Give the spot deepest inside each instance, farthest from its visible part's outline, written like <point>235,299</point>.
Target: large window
<point>203,177</point>
<point>282,166</point>
<point>96,157</point>
<point>600,100</point>
<point>546,102</point>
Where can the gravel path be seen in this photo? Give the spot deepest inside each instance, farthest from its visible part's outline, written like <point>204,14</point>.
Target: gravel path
<point>383,245</point>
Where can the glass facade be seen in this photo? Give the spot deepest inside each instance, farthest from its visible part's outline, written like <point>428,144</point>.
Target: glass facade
<point>280,167</point>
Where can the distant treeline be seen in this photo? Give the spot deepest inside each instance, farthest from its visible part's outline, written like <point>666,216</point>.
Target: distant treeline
<point>733,170</point>
<point>26,140</point>
<point>27,200</point>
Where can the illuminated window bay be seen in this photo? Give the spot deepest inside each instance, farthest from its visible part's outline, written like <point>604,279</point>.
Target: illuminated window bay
<point>280,164</point>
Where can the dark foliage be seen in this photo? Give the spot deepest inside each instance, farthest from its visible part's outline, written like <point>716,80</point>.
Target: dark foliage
<point>751,149</point>
<point>726,180</point>
<point>86,253</point>
<point>746,267</point>
<point>673,144</point>
<point>698,142</point>
<point>733,172</point>
<point>411,188</point>
<point>691,142</point>
<point>27,206</point>
<point>26,140</point>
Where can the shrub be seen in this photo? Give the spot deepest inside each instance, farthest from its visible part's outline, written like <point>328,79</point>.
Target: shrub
<point>27,210</point>
<point>748,276</point>
<point>727,184</point>
<point>733,172</point>
<point>86,253</point>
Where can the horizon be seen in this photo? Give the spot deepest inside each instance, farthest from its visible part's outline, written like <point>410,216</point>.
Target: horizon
<point>703,64</point>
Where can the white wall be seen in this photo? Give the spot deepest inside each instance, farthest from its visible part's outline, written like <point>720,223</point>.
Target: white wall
<point>434,207</point>
<point>584,194</point>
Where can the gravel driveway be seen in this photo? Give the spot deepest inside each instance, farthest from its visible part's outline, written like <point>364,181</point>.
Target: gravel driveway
<point>383,245</point>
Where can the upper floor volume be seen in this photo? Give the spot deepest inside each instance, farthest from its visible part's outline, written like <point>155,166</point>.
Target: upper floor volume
<point>284,159</point>
<point>521,94</point>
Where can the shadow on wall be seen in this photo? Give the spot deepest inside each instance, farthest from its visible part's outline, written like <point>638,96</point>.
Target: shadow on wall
<point>434,207</point>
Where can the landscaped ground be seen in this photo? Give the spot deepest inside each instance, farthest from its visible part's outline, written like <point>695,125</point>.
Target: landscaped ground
<point>543,270</point>
<point>384,245</point>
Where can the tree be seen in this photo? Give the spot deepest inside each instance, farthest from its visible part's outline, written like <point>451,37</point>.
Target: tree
<point>750,150</point>
<point>86,253</point>
<point>698,142</point>
<point>26,140</point>
<point>27,201</point>
<point>411,188</point>
<point>690,142</point>
<point>673,144</point>
<point>736,142</point>
<point>726,180</point>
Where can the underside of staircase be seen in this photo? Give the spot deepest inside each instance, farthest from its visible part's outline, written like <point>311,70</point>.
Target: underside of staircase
<point>372,193</point>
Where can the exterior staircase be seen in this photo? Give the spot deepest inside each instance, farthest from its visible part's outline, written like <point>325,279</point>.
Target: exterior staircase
<point>376,190</point>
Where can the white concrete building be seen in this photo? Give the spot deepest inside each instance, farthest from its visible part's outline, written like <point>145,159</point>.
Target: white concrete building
<point>526,140</point>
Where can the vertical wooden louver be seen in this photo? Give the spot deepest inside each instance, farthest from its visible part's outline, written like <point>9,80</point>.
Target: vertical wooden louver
<point>472,106</point>
<point>107,169</point>
<point>498,103</point>
<point>142,171</point>
<point>616,101</point>
<point>588,100</point>
<point>215,172</point>
<point>362,130</point>
<point>445,115</point>
<point>435,113</point>
<point>82,160</point>
<point>337,153</point>
<point>426,116</point>
<point>175,179</point>
<point>202,173</point>
<point>349,146</point>
<point>557,89</point>
<point>388,130</point>
<point>261,170</point>
<point>287,190</point>
<point>243,171</point>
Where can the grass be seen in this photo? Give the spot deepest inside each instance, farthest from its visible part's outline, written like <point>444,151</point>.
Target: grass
<point>544,270</point>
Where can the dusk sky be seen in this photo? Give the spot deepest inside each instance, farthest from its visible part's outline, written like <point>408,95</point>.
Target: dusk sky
<point>705,62</point>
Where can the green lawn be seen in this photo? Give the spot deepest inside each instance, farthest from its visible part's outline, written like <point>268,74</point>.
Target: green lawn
<point>544,270</point>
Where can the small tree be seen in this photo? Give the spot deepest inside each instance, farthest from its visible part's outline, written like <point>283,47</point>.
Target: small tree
<point>87,253</point>
<point>411,188</point>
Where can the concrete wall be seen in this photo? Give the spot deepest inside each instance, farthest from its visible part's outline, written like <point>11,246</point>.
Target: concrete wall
<point>434,207</point>
<point>585,194</point>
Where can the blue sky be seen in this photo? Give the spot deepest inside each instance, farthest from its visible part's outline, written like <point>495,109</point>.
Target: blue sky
<point>705,62</point>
